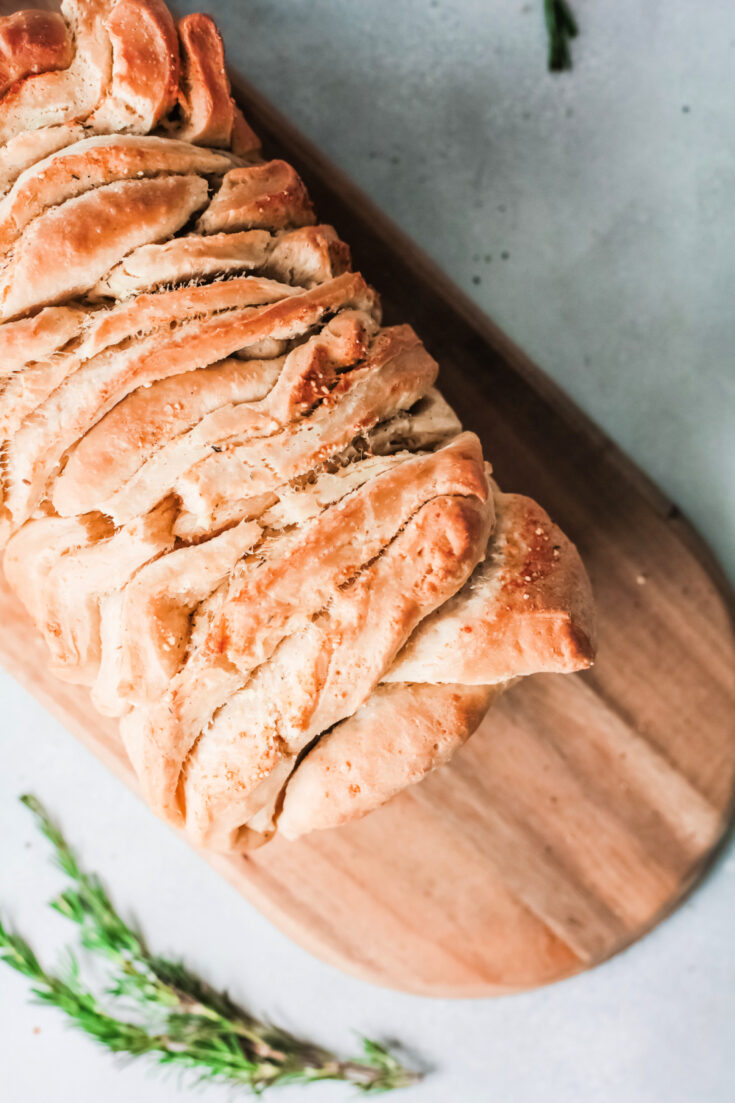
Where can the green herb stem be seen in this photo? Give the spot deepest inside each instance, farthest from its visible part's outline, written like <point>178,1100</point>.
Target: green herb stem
<point>561,28</point>
<point>177,1017</point>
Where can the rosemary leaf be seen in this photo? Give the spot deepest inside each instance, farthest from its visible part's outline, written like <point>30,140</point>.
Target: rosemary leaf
<point>561,27</point>
<point>166,1010</point>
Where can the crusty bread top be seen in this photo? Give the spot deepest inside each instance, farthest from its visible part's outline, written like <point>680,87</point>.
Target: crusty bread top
<point>32,42</point>
<point>234,503</point>
<point>527,608</point>
<point>401,733</point>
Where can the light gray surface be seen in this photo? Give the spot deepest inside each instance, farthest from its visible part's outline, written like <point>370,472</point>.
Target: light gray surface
<point>614,204</point>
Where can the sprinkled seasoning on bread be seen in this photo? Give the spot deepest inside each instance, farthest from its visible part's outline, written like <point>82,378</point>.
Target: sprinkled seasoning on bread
<point>234,502</point>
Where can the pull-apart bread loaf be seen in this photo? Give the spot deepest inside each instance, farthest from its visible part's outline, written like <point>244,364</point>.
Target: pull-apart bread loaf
<point>232,501</point>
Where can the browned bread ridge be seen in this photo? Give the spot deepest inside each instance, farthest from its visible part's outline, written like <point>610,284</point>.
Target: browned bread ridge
<point>233,502</point>
<point>32,42</point>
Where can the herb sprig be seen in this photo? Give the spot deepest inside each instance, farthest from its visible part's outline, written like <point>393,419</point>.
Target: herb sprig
<point>561,27</point>
<point>170,1013</point>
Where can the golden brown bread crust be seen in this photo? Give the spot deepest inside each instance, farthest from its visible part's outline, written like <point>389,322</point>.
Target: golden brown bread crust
<point>207,109</point>
<point>269,195</point>
<point>92,163</point>
<point>26,149</point>
<point>304,257</point>
<point>145,58</point>
<point>309,255</point>
<point>234,504</point>
<point>32,339</point>
<point>32,42</point>
<point>323,673</point>
<point>88,233</point>
<point>37,449</point>
<point>401,733</point>
<point>397,373</point>
<point>266,603</point>
<point>528,608</point>
<point>117,446</point>
<point>66,95</point>
<point>34,550</point>
<point>77,580</point>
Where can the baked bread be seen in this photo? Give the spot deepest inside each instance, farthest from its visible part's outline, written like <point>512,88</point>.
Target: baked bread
<point>232,501</point>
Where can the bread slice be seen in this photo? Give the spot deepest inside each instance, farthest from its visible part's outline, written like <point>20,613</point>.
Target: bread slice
<point>527,608</point>
<point>399,735</point>
<point>32,42</point>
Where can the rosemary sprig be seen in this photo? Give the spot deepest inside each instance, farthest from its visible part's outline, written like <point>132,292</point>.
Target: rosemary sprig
<point>561,27</point>
<point>170,1012</point>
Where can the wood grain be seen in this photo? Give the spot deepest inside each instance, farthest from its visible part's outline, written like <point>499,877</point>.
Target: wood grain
<point>586,806</point>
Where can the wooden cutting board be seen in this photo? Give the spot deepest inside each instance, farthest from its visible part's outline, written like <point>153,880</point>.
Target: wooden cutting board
<point>586,806</point>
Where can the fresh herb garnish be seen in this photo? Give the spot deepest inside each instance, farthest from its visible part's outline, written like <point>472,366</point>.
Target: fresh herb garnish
<point>562,28</point>
<point>169,1012</point>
